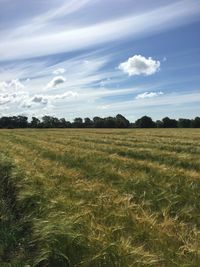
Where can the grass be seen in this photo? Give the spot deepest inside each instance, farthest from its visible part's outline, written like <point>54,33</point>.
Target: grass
<point>94,198</point>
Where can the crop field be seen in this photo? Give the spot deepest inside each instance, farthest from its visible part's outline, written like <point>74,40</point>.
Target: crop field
<point>100,197</point>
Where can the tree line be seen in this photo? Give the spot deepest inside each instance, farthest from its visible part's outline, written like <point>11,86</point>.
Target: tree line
<point>118,121</point>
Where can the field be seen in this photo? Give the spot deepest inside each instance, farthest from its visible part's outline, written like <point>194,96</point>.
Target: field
<point>100,197</point>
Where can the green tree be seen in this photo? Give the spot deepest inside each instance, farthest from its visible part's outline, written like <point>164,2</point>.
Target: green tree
<point>145,122</point>
<point>35,122</point>
<point>196,122</point>
<point>88,123</point>
<point>169,123</point>
<point>78,123</point>
<point>122,122</point>
<point>184,123</point>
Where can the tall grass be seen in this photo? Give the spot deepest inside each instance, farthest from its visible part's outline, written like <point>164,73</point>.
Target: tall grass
<point>99,198</point>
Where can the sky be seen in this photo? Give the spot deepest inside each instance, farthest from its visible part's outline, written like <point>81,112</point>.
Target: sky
<point>86,58</point>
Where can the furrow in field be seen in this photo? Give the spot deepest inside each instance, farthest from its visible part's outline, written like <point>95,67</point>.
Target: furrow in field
<point>189,149</point>
<point>180,161</point>
<point>88,170</point>
<point>110,215</point>
<point>138,169</point>
<point>109,204</point>
<point>132,168</point>
<point>108,138</point>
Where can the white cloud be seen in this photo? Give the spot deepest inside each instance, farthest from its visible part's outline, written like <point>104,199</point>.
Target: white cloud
<point>4,99</point>
<point>59,71</point>
<point>11,91</point>
<point>3,86</point>
<point>148,95</point>
<point>39,99</point>
<point>139,65</point>
<point>14,95</point>
<point>34,101</point>
<point>11,97</point>
<point>13,85</point>
<point>104,107</point>
<point>47,99</point>
<point>65,95</point>
<point>56,81</point>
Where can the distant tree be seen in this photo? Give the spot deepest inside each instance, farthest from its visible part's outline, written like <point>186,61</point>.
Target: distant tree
<point>22,122</point>
<point>63,123</point>
<point>78,123</point>
<point>109,122</point>
<point>196,122</point>
<point>35,122</point>
<point>5,122</point>
<point>145,122</point>
<point>46,122</point>
<point>98,122</point>
<point>50,122</point>
<point>14,122</point>
<point>169,123</point>
<point>88,123</point>
<point>184,123</point>
<point>122,122</point>
<point>132,125</point>
<point>56,122</point>
<point>68,124</point>
<point>159,124</point>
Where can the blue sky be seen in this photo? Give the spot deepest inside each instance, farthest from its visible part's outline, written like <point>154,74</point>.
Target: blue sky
<point>91,58</point>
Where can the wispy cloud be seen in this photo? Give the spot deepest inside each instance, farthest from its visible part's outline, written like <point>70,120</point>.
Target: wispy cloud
<point>170,99</point>
<point>148,95</point>
<point>59,71</point>
<point>65,57</point>
<point>56,41</point>
<point>40,22</point>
